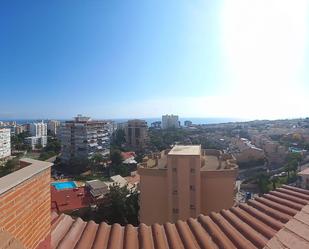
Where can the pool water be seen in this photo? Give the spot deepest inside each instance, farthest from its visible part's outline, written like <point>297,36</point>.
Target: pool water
<point>64,185</point>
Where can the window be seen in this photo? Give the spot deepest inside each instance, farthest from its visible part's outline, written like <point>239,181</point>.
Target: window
<point>175,192</point>
<point>192,207</point>
<point>175,170</point>
<point>192,171</point>
<point>175,210</point>
<point>192,187</point>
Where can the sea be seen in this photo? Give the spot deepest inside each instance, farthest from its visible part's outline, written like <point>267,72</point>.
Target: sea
<point>197,121</point>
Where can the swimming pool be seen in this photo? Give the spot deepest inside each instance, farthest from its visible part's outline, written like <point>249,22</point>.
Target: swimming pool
<point>64,185</point>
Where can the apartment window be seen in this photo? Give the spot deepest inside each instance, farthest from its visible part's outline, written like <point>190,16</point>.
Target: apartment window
<point>192,171</point>
<point>192,187</point>
<point>175,170</point>
<point>175,192</point>
<point>175,211</point>
<point>192,207</point>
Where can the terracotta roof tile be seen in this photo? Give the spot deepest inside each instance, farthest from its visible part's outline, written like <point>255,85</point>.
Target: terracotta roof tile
<point>261,223</point>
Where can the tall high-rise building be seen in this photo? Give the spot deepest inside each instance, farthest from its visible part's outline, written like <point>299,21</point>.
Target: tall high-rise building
<point>136,134</point>
<point>83,137</point>
<point>5,143</point>
<point>53,126</point>
<point>185,181</point>
<point>38,133</point>
<point>38,129</point>
<point>170,121</point>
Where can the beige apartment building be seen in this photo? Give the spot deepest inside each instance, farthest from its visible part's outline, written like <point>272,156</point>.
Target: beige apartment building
<point>185,181</point>
<point>244,151</point>
<point>136,134</point>
<point>275,153</point>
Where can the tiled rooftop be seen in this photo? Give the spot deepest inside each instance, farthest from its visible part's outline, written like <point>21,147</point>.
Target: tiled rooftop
<point>7,241</point>
<point>279,219</point>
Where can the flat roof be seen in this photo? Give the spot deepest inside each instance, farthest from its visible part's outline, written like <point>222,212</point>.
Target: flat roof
<point>186,150</point>
<point>17,177</point>
<point>96,184</point>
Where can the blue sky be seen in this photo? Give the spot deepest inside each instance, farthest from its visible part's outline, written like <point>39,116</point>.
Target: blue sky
<point>125,59</point>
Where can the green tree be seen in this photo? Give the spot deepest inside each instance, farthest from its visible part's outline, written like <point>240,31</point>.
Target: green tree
<point>116,157</point>
<point>9,167</point>
<point>18,141</point>
<point>52,148</point>
<point>118,139</point>
<point>263,182</point>
<point>53,145</point>
<point>95,161</point>
<point>38,146</point>
<point>117,167</point>
<point>121,206</point>
<point>274,180</point>
<point>76,166</point>
<point>120,169</point>
<point>294,156</point>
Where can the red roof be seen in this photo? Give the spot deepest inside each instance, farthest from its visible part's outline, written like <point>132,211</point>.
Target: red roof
<point>127,155</point>
<point>69,199</point>
<point>251,225</point>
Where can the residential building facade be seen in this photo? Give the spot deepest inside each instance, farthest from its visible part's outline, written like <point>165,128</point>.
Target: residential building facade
<point>136,134</point>
<point>5,143</point>
<point>274,152</point>
<point>38,129</point>
<point>244,151</point>
<point>275,220</point>
<point>188,123</point>
<point>36,142</point>
<point>53,126</point>
<point>185,181</point>
<point>83,137</point>
<point>38,137</point>
<point>156,124</point>
<point>170,121</point>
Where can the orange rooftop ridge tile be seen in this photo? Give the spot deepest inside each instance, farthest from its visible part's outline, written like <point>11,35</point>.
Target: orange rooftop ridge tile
<point>279,219</point>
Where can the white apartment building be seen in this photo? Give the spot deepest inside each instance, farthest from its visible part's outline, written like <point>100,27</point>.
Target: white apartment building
<point>53,126</point>
<point>38,133</point>
<point>170,121</point>
<point>83,137</point>
<point>5,143</point>
<point>38,129</point>
<point>35,141</point>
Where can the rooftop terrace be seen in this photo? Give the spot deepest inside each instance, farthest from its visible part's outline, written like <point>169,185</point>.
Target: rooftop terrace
<point>185,150</point>
<point>210,159</point>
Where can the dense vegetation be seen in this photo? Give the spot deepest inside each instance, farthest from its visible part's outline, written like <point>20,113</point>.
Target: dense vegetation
<point>52,148</point>
<point>121,206</point>
<point>118,140</point>
<point>163,139</point>
<point>17,142</point>
<point>9,167</point>
<point>267,182</point>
